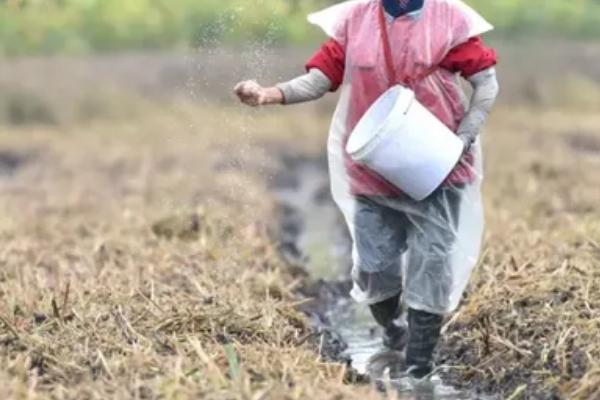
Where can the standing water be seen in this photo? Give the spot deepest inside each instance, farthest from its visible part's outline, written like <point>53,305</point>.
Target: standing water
<point>314,234</point>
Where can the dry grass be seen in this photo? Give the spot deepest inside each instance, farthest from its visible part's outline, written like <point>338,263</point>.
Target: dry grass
<point>94,305</point>
<point>533,317</point>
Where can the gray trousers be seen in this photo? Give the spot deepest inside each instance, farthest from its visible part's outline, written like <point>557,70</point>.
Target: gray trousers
<point>386,229</point>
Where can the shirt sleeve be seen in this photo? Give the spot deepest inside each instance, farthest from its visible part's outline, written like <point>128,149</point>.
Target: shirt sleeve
<point>331,60</point>
<point>311,86</point>
<point>469,58</point>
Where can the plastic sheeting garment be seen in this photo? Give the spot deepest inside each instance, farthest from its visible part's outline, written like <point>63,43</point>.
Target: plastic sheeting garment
<point>426,249</point>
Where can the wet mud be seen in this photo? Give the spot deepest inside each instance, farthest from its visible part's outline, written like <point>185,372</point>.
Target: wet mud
<point>302,192</point>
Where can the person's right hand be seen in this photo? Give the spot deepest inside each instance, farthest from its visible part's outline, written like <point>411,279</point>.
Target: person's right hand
<point>251,93</point>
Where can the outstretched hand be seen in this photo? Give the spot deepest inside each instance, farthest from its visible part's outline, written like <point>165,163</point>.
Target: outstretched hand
<point>254,95</point>
<point>250,93</point>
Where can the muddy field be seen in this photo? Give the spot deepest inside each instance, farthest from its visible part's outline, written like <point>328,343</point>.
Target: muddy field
<point>144,257</point>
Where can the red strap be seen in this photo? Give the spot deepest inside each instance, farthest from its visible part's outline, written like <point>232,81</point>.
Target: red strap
<point>405,81</point>
<point>387,51</point>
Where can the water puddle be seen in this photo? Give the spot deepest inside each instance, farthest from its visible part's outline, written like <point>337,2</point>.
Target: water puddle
<point>313,234</point>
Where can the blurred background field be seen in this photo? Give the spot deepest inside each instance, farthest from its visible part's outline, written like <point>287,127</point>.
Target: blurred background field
<point>80,26</point>
<point>56,52</point>
<point>116,118</point>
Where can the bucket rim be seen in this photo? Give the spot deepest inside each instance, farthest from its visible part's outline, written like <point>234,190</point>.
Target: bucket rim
<point>359,152</point>
<point>355,151</point>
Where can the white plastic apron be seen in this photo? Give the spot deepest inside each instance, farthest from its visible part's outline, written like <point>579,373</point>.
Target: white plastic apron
<point>433,276</point>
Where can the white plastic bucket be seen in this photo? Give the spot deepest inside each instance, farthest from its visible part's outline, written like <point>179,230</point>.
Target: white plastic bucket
<point>405,143</point>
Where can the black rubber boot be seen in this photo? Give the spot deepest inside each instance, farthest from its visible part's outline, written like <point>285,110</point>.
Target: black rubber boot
<point>386,313</point>
<point>424,334</point>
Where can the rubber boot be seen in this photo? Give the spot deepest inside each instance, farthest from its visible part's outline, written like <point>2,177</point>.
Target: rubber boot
<point>386,313</point>
<point>424,334</point>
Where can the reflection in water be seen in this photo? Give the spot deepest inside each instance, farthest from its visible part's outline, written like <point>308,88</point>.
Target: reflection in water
<point>365,348</point>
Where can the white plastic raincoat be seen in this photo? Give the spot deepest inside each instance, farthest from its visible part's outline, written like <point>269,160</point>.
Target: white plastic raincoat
<point>426,248</point>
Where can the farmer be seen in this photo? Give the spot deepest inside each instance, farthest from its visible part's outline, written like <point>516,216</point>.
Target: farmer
<point>410,254</point>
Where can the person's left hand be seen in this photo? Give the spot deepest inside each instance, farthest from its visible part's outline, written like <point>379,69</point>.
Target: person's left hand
<point>468,138</point>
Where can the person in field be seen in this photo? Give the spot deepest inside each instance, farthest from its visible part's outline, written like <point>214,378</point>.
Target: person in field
<point>411,258</point>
